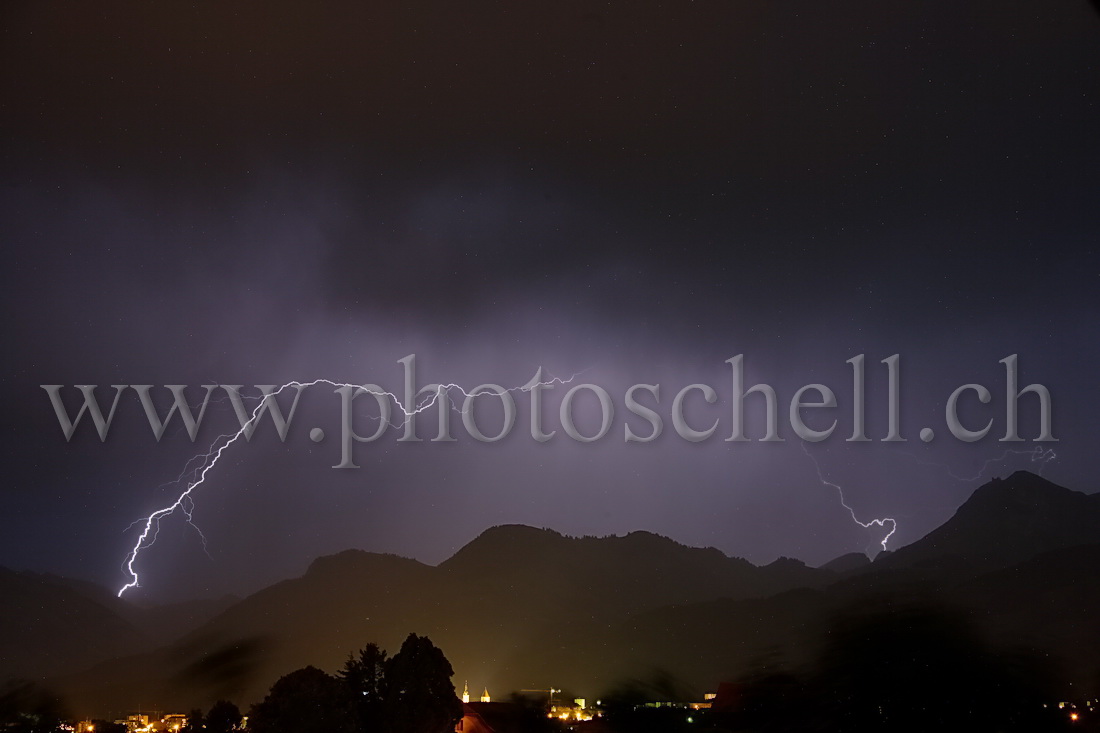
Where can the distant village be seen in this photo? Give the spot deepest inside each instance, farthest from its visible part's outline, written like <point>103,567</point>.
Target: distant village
<point>483,715</point>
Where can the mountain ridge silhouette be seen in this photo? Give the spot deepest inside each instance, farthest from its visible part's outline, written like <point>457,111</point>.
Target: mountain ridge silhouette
<point>524,608</point>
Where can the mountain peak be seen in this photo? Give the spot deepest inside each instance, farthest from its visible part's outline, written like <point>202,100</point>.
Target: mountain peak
<point>357,561</point>
<point>1022,489</point>
<point>1024,477</point>
<point>1006,521</point>
<point>848,563</point>
<point>512,532</point>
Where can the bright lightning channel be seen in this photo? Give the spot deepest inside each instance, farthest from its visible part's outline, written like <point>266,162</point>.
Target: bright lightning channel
<point>840,492</point>
<point>185,502</point>
<point>1038,454</point>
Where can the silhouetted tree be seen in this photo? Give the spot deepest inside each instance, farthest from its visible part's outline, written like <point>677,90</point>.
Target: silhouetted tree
<point>419,696</point>
<point>305,701</point>
<point>223,717</point>
<point>28,708</point>
<point>625,709</point>
<point>532,713</point>
<point>904,669</point>
<point>194,723</point>
<point>365,677</point>
<point>772,701</point>
<point>920,669</point>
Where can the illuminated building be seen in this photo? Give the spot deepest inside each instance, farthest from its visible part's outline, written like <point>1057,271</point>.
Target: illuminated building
<point>136,723</point>
<point>490,717</point>
<point>174,721</point>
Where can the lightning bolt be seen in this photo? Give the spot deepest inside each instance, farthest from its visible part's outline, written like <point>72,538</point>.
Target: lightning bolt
<point>843,502</point>
<point>203,463</point>
<point>1038,454</point>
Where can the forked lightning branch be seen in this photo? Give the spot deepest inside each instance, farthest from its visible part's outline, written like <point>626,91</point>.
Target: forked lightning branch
<point>399,413</point>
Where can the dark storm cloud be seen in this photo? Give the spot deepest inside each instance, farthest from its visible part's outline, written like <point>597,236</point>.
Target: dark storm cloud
<point>719,137</point>
<point>262,193</point>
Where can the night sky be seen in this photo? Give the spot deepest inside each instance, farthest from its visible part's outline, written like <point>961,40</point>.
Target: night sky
<point>634,190</point>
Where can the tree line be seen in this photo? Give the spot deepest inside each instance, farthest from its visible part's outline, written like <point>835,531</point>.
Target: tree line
<point>410,692</point>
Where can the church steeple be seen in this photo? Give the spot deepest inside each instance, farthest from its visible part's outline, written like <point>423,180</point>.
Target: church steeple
<point>485,695</point>
<point>465,692</point>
